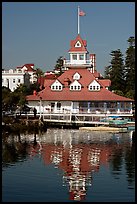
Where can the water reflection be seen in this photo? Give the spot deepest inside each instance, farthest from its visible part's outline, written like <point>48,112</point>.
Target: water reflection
<point>77,153</point>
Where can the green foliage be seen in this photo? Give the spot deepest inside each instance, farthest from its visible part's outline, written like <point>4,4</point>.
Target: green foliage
<point>130,94</point>
<point>121,71</point>
<point>39,72</point>
<point>17,99</point>
<point>116,70</point>
<point>130,65</point>
<point>119,92</point>
<point>107,72</point>
<point>59,65</point>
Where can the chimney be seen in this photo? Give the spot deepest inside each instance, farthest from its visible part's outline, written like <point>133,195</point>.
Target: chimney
<point>34,93</point>
<point>67,82</point>
<point>93,59</point>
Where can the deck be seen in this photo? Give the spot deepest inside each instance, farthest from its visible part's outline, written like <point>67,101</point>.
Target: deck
<point>79,119</point>
<point>72,119</point>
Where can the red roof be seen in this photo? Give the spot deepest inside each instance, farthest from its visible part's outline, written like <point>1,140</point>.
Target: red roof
<point>83,95</point>
<point>105,82</point>
<point>28,66</point>
<point>41,80</point>
<point>97,74</point>
<point>76,49</point>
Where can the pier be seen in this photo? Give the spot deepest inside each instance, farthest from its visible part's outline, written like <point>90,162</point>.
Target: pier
<point>70,119</point>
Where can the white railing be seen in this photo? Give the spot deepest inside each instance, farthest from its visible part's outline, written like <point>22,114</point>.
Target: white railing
<point>13,72</point>
<point>68,62</point>
<point>79,118</point>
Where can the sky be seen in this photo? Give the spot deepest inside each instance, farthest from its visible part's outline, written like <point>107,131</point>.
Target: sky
<point>40,32</point>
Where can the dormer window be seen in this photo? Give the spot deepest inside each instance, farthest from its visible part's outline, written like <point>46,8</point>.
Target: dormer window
<point>78,44</point>
<point>94,86</point>
<point>56,86</point>
<point>76,76</point>
<point>75,86</point>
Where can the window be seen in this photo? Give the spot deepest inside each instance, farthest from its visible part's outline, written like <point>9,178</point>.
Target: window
<point>58,105</point>
<point>111,105</point>
<point>78,44</point>
<point>18,80</point>
<point>81,57</point>
<point>13,80</point>
<point>76,76</point>
<point>78,87</point>
<point>56,86</point>
<point>94,88</point>
<point>75,88</point>
<point>74,57</point>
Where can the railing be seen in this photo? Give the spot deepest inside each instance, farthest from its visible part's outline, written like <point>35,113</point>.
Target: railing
<point>87,63</point>
<point>93,118</point>
<point>12,72</point>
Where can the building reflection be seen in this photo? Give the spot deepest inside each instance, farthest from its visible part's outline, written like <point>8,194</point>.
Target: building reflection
<point>77,154</point>
<point>77,158</point>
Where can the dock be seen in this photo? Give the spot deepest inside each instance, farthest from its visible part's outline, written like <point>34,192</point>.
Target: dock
<point>69,120</point>
<point>100,128</point>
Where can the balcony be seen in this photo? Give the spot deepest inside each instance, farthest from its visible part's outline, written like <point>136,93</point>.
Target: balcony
<point>69,63</point>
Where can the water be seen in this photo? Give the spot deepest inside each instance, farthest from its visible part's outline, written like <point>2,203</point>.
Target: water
<point>63,165</point>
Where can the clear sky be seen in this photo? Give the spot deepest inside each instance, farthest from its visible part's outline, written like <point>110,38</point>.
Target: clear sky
<point>40,32</point>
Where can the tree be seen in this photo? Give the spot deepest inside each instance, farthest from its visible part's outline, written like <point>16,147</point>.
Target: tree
<point>107,72</point>
<point>6,92</point>
<point>59,65</point>
<point>130,67</point>
<point>116,71</point>
<point>38,73</point>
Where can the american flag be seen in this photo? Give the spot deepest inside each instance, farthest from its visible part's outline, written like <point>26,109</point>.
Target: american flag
<point>82,13</point>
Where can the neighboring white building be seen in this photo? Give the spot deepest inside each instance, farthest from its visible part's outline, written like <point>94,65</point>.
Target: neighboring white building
<point>14,77</point>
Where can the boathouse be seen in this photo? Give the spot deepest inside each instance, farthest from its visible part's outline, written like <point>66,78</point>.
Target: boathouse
<point>81,89</point>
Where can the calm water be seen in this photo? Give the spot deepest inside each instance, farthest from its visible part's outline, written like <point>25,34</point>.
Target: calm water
<point>64,165</point>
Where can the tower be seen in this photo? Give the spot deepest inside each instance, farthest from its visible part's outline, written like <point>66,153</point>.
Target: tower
<point>78,54</point>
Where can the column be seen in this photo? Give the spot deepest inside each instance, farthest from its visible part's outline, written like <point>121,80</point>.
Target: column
<point>131,108</point>
<point>118,107</point>
<point>105,107</point>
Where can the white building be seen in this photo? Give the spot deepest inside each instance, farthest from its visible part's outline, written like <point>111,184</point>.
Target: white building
<point>80,89</point>
<point>14,77</point>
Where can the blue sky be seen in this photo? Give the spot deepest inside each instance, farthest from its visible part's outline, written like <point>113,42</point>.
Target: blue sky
<point>40,32</point>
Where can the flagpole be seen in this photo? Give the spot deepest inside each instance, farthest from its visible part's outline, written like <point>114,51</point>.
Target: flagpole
<point>78,20</point>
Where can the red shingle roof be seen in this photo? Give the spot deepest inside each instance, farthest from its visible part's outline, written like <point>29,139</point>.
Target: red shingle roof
<point>84,95</point>
<point>28,66</point>
<point>105,82</point>
<point>76,49</point>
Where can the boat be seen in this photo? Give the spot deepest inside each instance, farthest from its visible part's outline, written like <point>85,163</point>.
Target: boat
<point>117,121</point>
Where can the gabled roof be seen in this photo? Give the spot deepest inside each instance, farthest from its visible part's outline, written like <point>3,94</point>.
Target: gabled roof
<point>83,95</point>
<point>76,49</point>
<point>29,67</point>
<point>105,82</point>
<point>97,74</point>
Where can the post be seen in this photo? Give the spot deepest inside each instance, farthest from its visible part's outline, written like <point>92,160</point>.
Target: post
<point>78,21</point>
<point>40,107</point>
